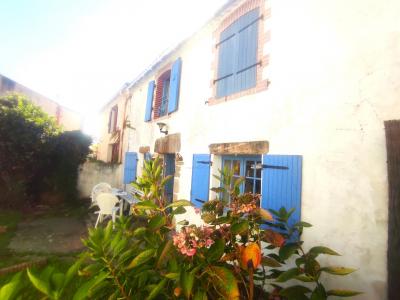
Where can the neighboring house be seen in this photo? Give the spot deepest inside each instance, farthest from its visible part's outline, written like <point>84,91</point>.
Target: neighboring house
<point>65,117</point>
<point>291,95</point>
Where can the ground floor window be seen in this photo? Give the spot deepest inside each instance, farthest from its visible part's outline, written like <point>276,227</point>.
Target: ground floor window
<point>248,167</point>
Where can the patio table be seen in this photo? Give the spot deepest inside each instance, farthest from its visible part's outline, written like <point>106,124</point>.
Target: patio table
<point>125,198</point>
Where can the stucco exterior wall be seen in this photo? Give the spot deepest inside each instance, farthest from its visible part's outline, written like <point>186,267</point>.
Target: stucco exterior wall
<point>65,117</point>
<point>92,173</point>
<point>334,72</point>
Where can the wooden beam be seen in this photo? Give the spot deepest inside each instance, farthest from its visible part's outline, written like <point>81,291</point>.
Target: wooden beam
<point>169,144</point>
<point>392,129</point>
<point>257,147</point>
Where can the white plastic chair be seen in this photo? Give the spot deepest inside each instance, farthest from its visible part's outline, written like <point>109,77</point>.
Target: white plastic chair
<point>102,187</point>
<point>107,204</point>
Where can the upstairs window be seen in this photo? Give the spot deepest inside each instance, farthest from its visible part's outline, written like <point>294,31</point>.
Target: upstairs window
<point>162,94</point>
<point>112,119</point>
<point>238,56</point>
<point>166,96</point>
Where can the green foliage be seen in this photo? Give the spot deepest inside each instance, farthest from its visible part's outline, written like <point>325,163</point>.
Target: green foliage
<point>222,260</point>
<point>35,156</point>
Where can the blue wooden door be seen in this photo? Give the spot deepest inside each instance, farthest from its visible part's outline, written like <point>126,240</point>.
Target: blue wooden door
<point>130,167</point>
<point>169,167</point>
<point>200,179</point>
<point>281,183</point>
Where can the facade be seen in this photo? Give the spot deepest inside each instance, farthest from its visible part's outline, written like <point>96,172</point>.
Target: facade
<point>65,117</point>
<point>291,95</point>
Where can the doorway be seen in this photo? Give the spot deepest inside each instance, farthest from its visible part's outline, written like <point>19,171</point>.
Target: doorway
<point>169,167</point>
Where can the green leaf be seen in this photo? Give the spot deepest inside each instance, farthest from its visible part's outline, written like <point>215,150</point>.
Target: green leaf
<point>338,270</point>
<point>178,211</point>
<point>294,292</point>
<point>288,250</point>
<point>343,293</point>
<point>240,227</point>
<point>139,232</point>
<point>157,222</point>
<point>143,257</point>
<point>157,289</point>
<point>173,276</point>
<point>72,271</point>
<point>319,293</point>
<point>302,224</point>
<point>200,295</point>
<point>10,290</point>
<point>187,280</point>
<point>304,278</point>
<point>270,262</point>
<point>183,222</point>
<point>85,289</point>
<point>225,282</point>
<point>179,203</point>
<point>167,248</point>
<point>58,279</point>
<point>218,190</point>
<point>147,204</point>
<point>216,250</point>
<point>38,283</point>
<point>322,250</point>
<point>289,274</point>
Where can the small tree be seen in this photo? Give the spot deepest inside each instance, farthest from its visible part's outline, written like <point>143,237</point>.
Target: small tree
<point>24,132</point>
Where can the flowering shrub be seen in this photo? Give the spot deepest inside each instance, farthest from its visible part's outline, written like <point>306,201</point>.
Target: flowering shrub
<point>238,254</point>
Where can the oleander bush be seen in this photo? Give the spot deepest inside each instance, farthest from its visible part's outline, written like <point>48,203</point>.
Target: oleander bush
<point>241,252</point>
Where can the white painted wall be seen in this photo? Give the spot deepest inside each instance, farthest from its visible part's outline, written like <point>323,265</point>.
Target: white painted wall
<point>92,173</point>
<point>335,77</point>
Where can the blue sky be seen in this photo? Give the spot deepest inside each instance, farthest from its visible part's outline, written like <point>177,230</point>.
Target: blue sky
<point>79,52</point>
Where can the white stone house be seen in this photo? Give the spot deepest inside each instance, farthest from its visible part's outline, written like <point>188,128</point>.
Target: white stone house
<point>291,94</point>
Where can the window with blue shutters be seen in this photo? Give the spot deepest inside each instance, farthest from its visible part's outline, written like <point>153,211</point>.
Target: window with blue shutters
<point>237,55</point>
<point>149,102</point>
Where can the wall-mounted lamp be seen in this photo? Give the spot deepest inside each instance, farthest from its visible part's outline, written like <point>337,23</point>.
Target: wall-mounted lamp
<point>163,128</point>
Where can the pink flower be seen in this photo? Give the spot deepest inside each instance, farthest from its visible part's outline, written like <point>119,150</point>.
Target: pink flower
<point>191,252</point>
<point>197,210</point>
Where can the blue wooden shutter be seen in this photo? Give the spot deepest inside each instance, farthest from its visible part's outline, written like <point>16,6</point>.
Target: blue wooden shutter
<point>226,61</point>
<point>149,103</point>
<point>200,178</point>
<point>174,85</point>
<point>247,39</point>
<point>130,167</point>
<point>281,183</point>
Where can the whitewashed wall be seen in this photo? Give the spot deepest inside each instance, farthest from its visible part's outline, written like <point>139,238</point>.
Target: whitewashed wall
<point>335,70</point>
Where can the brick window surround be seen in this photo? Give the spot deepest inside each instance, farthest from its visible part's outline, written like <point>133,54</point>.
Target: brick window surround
<point>263,38</point>
<point>159,93</point>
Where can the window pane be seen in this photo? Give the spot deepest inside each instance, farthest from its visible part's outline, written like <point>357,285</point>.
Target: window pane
<point>236,167</point>
<point>258,169</point>
<point>249,168</point>
<point>248,186</point>
<point>257,190</point>
<point>227,163</point>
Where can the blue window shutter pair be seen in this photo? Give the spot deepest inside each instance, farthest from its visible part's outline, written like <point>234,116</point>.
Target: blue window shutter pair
<point>237,59</point>
<point>281,184</point>
<point>130,167</point>
<point>174,85</point>
<point>200,179</point>
<point>173,99</point>
<point>149,103</point>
